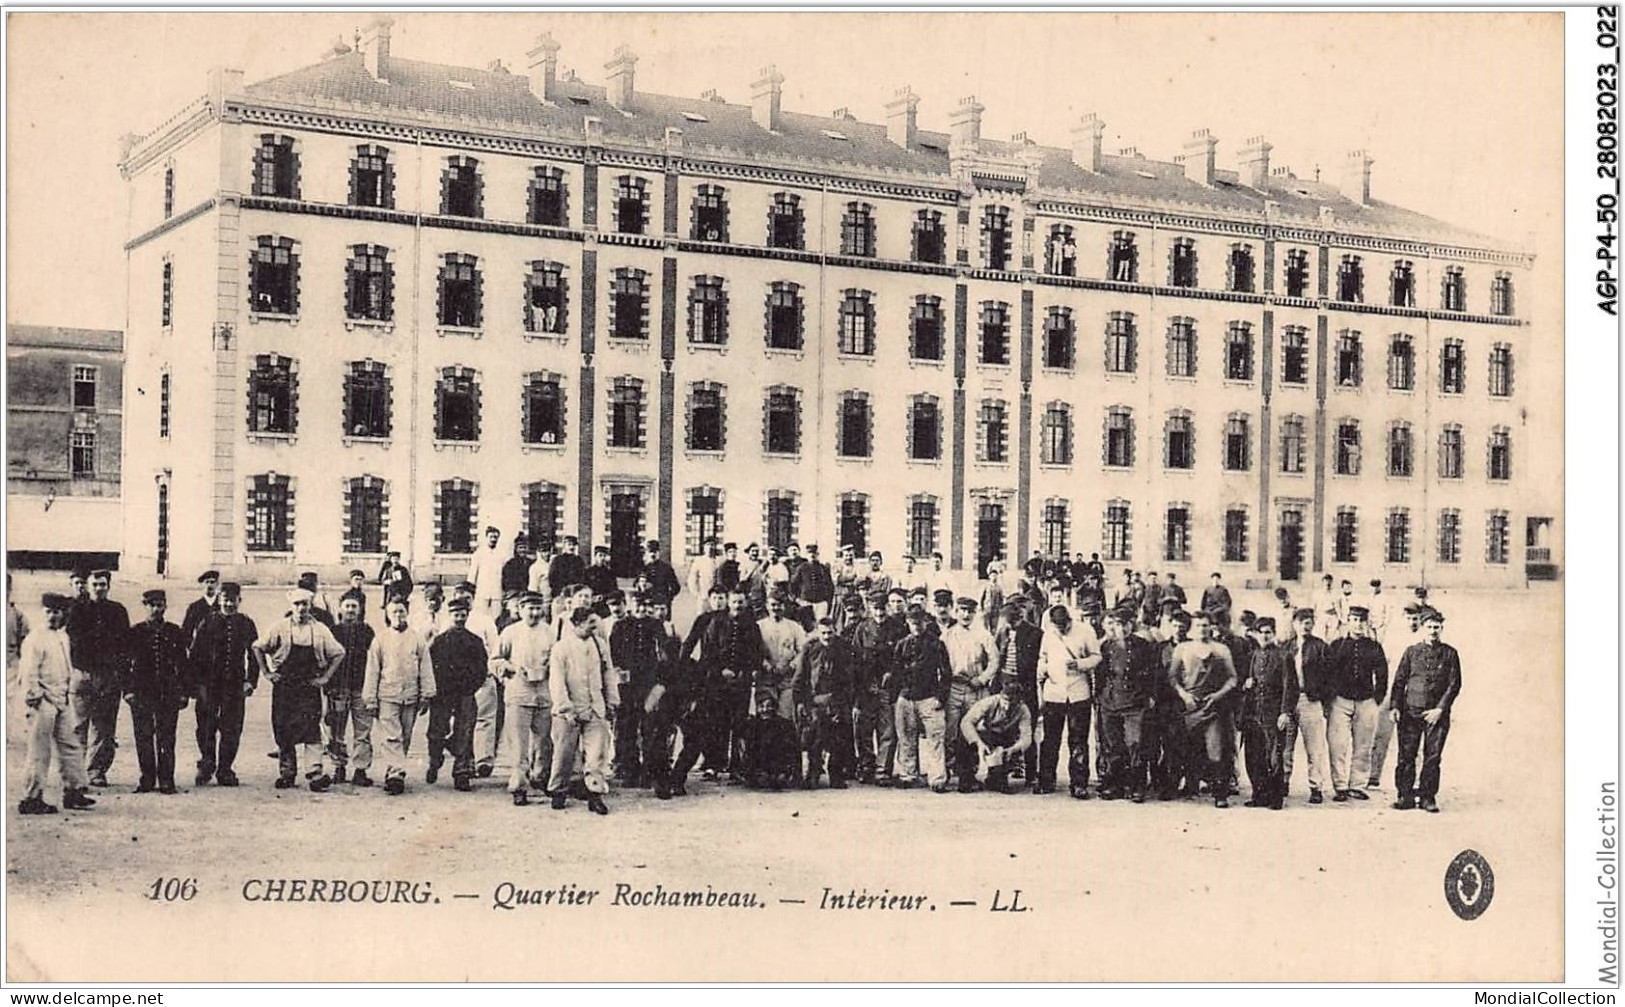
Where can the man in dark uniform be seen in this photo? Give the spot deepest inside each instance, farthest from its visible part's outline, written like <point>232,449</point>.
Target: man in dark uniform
<point>1270,701</point>
<point>716,605</point>
<point>728,570</point>
<point>1023,642</point>
<point>202,607</point>
<point>813,583</point>
<point>515,575</point>
<point>394,577</point>
<point>672,692</point>
<point>823,689</point>
<point>771,749</point>
<point>223,661</point>
<point>1128,675</point>
<point>731,654</point>
<point>634,651</point>
<point>343,696</point>
<point>663,580</point>
<point>872,723</point>
<point>1216,599</point>
<point>1359,682</point>
<point>98,638</point>
<point>157,687</point>
<point>460,668</point>
<point>566,568</point>
<point>1425,686</point>
<point>600,577</point>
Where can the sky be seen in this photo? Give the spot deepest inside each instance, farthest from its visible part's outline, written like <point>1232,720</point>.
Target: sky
<point>1461,112</point>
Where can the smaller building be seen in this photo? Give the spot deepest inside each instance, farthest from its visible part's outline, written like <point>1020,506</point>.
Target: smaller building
<point>64,416</point>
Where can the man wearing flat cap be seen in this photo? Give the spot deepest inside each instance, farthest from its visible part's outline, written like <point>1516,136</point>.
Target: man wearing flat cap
<point>44,671</point>
<point>200,608</point>
<point>1359,671</point>
<point>157,688</point>
<point>874,724</point>
<point>1408,631</point>
<point>98,632</point>
<point>221,652</point>
<point>521,661</point>
<point>297,654</point>
<point>1425,687</point>
<point>461,667</point>
<point>1310,660</point>
<point>1270,702</point>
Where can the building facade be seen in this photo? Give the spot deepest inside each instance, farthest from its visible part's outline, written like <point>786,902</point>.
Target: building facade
<point>395,301</point>
<point>64,425</point>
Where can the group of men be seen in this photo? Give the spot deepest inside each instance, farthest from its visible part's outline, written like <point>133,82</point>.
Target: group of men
<point>790,673</point>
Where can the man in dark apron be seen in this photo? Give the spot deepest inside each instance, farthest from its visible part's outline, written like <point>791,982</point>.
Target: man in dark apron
<point>296,655</point>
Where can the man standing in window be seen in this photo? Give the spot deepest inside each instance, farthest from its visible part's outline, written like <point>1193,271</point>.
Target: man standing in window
<point>1425,687</point>
<point>98,635</point>
<point>222,657</point>
<point>485,573</point>
<point>157,688</point>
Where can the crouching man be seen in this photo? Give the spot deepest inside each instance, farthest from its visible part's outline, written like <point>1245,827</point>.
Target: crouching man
<point>772,750</point>
<point>399,687</point>
<point>998,732</point>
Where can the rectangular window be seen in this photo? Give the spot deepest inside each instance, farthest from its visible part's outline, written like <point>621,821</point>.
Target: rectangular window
<point>995,333</point>
<point>272,278</point>
<point>1348,360</point>
<point>784,223</point>
<point>1053,535</point>
<point>1295,356</point>
<point>1297,273</point>
<point>783,423</point>
<point>1401,364</point>
<point>858,230</point>
<point>1061,252</point>
<point>545,299</point>
<point>370,280</point>
<point>925,440</point>
<point>84,387</point>
<point>1059,339</point>
<point>1178,535</point>
<point>1119,438</point>
<point>370,181</point>
<point>166,310</point>
<point>366,401</point>
<point>460,194</point>
<point>708,312</point>
<point>269,506</point>
<point>710,209</point>
<point>1122,258</point>
<point>169,193</point>
<point>1237,445</point>
<point>1450,452</point>
<point>456,520</point>
<point>276,168</point>
<point>1500,467</point>
<point>930,237</point>
<point>544,411</point>
<point>1181,451</point>
<point>1350,280</point>
<point>853,441</point>
<point>922,527</point>
<point>163,405</point>
<point>1120,343</point>
<point>705,419</point>
<point>83,453</point>
<point>1501,294</point>
<point>1498,536</point>
<point>857,324</point>
<point>547,198</point>
<point>1182,263</point>
<point>1292,445</point>
<point>1399,536</point>
<point>1402,285</point>
<point>1450,536</point>
<point>1399,451</point>
<point>272,396</point>
<point>927,329</point>
<point>1116,533</point>
<point>1453,367</point>
<point>1501,370</point>
<point>1453,293</point>
<point>1345,545</point>
<point>784,317</point>
<point>1348,449</point>
<point>1241,269</point>
<point>629,305</point>
<point>1182,348</point>
<point>458,412</point>
<point>1235,536</point>
<point>1238,353</point>
<point>995,433</point>
<point>460,292</point>
<point>781,522</point>
<point>626,414</point>
<point>996,237</point>
<point>366,517</point>
<point>1056,448</point>
<point>631,205</point>
<point>705,509</point>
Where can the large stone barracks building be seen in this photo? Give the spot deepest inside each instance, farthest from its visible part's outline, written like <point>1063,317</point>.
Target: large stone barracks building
<point>381,303</point>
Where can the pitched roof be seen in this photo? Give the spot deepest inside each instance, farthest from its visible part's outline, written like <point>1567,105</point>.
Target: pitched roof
<point>434,91</point>
<point>63,337</point>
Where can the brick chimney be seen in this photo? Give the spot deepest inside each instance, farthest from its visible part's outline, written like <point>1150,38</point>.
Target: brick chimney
<point>620,68</point>
<point>1086,137</point>
<point>765,95</point>
<point>1255,162</point>
<point>544,67</point>
<point>1199,151</point>
<point>374,46</point>
<point>965,122</point>
<point>1357,177</point>
<point>902,117</point>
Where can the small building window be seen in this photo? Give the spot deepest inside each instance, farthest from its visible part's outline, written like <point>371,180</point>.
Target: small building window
<point>461,190</point>
<point>1450,536</point>
<point>853,436</point>
<point>706,417</point>
<point>276,167</point>
<point>1497,538</point>
<point>84,386</point>
<point>784,316</point>
<point>858,230</point>
<point>925,328</point>
<point>1345,536</point>
<point>1241,269</point>
<point>781,434</point>
<point>460,291</point>
<point>1060,339</point>
<point>1123,258</point>
<point>930,237</point>
<point>163,405</point>
<point>273,395</point>
<point>1182,263</point>
<point>369,284</point>
<point>1501,294</point>
<point>366,400</point>
<point>1398,531</point>
<point>270,514</point>
<point>1350,279</point>
<point>993,432</point>
<point>1119,439</point>
<point>1297,273</point>
<point>1177,540</point>
<point>1238,352</point>
<point>546,307</point>
<point>372,178</point>
<point>1348,448</point>
<point>1053,532</point>
<point>1238,444</point>
<point>1402,284</point>
<point>82,453</point>
<point>455,516</point>
<point>1055,446</point>
<point>1061,251</point>
<point>631,205</point>
<point>1501,370</point>
<point>996,237</point>
<point>709,214</point>
<point>364,508</point>
<point>1120,343</point>
<point>704,518</point>
<point>543,410</point>
<point>1116,531</point>
<point>1400,453</point>
<point>1450,452</point>
<point>549,199</point>
<point>1500,460</point>
<point>785,222</point>
<point>1453,289</point>
<point>779,520</point>
<point>166,310</point>
<point>1295,356</point>
<point>1179,441</point>
<point>708,312</point>
<point>924,429</point>
<point>1235,535</point>
<point>922,526</point>
<point>626,423</point>
<point>1350,369</point>
<point>995,343</point>
<point>854,527</point>
<point>629,304</point>
<point>273,276</point>
<point>1453,367</point>
<point>1292,444</point>
<point>857,323</point>
<point>1401,363</point>
<point>1182,348</point>
<point>457,405</point>
<point>169,192</point>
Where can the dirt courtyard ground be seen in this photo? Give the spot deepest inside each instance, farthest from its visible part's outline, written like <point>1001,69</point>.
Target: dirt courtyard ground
<point>1163,891</point>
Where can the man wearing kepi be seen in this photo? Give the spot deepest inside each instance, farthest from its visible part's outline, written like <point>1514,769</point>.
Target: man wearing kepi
<point>222,658</point>
<point>98,631</point>
<point>521,660</point>
<point>461,666</point>
<point>201,608</point>
<point>297,654</point>
<point>45,671</point>
<point>1128,672</point>
<point>157,687</point>
<point>1425,687</point>
<point>399,686</point>
<point>343,694</point>
<point>1359,681</point>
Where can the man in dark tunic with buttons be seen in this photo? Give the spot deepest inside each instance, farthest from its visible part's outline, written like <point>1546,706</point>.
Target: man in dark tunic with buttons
<point>98,635</point>
<point>1425,687</point>
<point>200,608</point>
<point>156,687</point>
<point>223,661</point>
